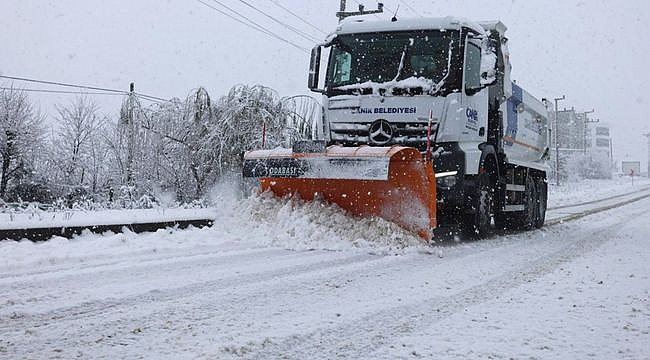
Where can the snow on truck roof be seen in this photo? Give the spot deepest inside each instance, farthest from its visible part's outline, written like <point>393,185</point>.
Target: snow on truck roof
<point>365,24</point>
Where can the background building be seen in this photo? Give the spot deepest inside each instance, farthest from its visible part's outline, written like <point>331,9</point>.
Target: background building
<point>571,131</point>
<point>584,148</point>
<point>599,141</point>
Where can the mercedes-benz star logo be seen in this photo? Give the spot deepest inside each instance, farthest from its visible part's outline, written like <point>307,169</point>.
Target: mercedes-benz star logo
<point>380,132</point>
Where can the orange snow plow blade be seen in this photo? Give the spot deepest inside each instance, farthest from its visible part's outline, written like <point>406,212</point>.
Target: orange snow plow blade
<point>393,183</point>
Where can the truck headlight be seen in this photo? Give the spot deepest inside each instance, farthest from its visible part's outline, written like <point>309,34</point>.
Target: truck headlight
<point>446,179</point>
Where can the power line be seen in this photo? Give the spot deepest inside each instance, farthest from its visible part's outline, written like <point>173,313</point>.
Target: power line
<point>297,31</point>
<point>122,92</point>
<point>46,91</point>
<point>61,91</point>
<point>298,16</point>
<point>260,27</point>
<point>61,84</point>
<point>250,24</point>
<point>150,98</point>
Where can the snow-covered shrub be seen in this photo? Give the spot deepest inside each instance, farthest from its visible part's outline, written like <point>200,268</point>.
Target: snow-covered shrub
<point>29,191</point>
<point>588,166</point>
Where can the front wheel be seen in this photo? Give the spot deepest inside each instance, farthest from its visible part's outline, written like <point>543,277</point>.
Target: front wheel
<point>479,222</point>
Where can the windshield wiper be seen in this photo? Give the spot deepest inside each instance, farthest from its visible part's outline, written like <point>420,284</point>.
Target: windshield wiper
<point>401,63</point>
<point>437,88</point>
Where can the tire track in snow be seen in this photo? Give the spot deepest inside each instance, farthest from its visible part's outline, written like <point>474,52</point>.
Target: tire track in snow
<point>242,273</point>
<point>380,328</point>
<point>607,204</point>
<point>598,200</point>
<point>139,259</point>
<point>62,326</point>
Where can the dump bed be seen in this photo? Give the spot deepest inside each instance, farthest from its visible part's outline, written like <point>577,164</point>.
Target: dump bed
<point>526,129</point>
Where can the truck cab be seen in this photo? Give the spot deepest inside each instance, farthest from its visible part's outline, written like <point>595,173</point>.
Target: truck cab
<point>394,82</point>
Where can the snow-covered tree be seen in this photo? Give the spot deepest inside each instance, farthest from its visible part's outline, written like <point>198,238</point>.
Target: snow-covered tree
<point>250,117</point>
<point>128,143</point>
<point>173,146</point>
<point>182,152</point>
<point>305,116</point>
<point>21,138</point>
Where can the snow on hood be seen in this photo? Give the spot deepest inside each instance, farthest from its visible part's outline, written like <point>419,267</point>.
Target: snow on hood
<point>408,83</point>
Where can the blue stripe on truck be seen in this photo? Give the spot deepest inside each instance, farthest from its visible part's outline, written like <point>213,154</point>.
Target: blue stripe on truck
<point>513,103</point>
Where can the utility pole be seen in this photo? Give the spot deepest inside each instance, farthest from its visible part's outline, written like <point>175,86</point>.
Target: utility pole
<point>557,145</point>
<point>342,14</point>
<point>586,121</point>
<point>130,156</point>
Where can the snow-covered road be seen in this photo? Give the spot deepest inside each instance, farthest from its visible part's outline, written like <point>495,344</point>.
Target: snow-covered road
<point>578,289</point>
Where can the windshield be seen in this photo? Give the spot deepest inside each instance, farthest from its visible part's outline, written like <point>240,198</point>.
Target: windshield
<point>403,59</point>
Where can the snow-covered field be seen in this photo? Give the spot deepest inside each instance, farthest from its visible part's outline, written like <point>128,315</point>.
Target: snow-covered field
<point>592,189</point>
<point>274,279</point>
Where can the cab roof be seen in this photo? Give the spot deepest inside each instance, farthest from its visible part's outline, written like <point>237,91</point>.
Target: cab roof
<point>367,24</point>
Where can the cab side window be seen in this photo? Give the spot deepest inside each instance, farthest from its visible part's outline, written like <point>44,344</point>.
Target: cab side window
<point>472,67</point>
<point>342,64</point>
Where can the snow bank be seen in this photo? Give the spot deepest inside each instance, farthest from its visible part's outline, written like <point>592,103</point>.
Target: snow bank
<point>35,218</point>
<point>258,221</point>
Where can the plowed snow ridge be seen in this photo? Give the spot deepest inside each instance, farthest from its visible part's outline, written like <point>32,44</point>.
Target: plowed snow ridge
<point>298,225</point>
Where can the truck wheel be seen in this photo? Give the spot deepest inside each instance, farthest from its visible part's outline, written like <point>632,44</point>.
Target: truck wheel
<point>529,216</point>
<point>479,223</point>
<point>542,197</point>
<point>502,221</point>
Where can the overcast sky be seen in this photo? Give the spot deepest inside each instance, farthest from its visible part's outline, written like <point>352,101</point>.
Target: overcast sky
<point>594,52</point>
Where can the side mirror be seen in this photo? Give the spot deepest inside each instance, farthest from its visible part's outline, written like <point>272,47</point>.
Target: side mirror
<point>314,70</point>
<point>488,62</point>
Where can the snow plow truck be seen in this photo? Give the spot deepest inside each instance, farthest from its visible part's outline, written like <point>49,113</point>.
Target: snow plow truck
<point>421,126</point>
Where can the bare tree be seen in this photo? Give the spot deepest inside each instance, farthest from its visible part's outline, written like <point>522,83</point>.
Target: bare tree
<point>77,141</point>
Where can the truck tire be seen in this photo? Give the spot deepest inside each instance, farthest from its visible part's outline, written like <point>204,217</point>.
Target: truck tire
<point>527,219</point>
<point>542,198</point>
<point>502,221</point>
<point>479,222</point>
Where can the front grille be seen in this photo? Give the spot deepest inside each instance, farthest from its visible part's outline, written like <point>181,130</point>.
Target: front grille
<point>413,134</point>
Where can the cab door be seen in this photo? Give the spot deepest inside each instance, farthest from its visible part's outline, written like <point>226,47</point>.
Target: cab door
<point>474,96</point>
<point>473,113</point>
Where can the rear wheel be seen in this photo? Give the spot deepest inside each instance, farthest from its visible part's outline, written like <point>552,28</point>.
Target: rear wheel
<point>526,219</point>
<point>541,202</point>
<point>502,221</point>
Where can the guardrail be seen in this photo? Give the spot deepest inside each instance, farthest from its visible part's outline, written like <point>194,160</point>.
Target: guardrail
<point>45,233</point>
